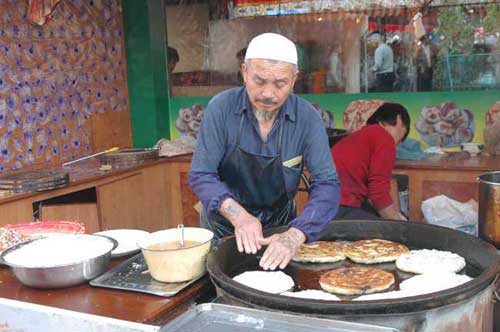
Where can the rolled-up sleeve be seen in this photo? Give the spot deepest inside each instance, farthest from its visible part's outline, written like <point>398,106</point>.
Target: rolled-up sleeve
<point>324,195</point>
<point>209,152</point>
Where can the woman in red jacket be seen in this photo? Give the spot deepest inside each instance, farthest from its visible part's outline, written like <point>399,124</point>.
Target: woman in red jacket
<point>364,162</point>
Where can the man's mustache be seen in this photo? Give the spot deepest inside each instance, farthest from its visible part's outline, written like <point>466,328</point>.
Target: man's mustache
<point>267,101</point>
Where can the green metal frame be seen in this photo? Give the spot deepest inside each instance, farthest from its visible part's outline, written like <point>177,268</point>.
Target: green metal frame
<point>146,48</point>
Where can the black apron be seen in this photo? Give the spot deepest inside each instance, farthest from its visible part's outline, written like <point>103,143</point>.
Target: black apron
<point>258,185</point>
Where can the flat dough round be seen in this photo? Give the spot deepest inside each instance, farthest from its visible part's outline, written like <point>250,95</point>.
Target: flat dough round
<point>433,282</point>
<point>275,282</point>
<point>356,280</point>
<point>374,251</point>
<point>314,294</point>
<point>425,260</point>
<point>320,252</point>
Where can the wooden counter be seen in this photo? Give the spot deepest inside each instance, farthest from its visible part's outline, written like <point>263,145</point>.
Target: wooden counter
<point>157,195</point>
<point>124,305</point>
<point>452,174</point>
<point>151,196</point>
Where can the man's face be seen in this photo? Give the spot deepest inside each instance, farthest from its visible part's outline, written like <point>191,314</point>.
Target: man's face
<point>268,83</point>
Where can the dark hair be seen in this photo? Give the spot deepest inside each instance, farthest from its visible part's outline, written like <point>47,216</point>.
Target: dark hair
<point>388,113</point>
<point>241,53</point>
<point>172,55</point>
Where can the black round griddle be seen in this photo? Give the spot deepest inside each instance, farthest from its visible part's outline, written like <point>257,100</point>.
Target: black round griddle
<point>225,261</point>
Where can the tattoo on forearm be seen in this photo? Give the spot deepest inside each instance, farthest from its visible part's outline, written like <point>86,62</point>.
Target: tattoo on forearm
<point>289,240</point>
<point>231,210</point>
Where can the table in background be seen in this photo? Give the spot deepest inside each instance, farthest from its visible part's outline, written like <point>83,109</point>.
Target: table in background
<point>452,174</point>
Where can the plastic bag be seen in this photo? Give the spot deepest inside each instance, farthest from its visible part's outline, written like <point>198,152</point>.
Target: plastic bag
<point>444,211</point>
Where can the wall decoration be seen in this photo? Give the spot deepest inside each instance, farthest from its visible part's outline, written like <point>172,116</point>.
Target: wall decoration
<point>359,111</point>
<point>445,125</point>
<point>53,78</point>
<point>326,116</point>
<point>477,102</point>
<point>492,130</point>
<point>189,120</point>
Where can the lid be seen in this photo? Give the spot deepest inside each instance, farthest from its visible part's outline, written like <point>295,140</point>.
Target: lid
<point>213,317</point>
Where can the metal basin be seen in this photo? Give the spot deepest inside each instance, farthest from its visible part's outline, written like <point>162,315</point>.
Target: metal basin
<point>61,276</point>
<point>489,207</point>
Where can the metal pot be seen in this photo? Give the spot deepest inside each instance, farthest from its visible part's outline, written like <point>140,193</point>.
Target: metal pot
<point>468,306</point>
<point>489,207</point>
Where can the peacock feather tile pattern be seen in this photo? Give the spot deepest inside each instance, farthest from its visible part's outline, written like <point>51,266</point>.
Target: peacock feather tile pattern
<point>53,78</point>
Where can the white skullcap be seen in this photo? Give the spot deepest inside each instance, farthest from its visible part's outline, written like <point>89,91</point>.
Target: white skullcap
<point>272,46</point>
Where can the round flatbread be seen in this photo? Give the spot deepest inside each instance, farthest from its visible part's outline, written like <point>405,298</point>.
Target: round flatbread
<point>425,260</point>
<point>266,281</point>
<point>356,280</point>
<point>320,252</point>
<point>433,282</point>
<point>374,251</point>
<point>314,294</point>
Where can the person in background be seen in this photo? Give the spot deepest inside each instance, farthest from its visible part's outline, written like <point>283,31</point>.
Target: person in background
<point>335,80</point>
<point>425,61</point>
<point>364,161</point>
<point>250,152</point>
<point>401,67</point>
<point>173,59</point>
<point>240,55</point>
<point>384,64</point>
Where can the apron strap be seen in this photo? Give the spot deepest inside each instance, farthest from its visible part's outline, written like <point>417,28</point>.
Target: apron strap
<point>239,131</point>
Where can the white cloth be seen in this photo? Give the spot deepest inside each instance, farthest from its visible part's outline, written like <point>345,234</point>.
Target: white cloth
<point>427,52</point>
<point>272,46</point>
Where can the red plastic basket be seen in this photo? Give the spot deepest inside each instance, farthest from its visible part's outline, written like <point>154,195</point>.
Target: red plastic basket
<point>51,226</point>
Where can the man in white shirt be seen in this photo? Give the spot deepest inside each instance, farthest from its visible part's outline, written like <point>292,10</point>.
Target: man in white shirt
<point>384,64</point>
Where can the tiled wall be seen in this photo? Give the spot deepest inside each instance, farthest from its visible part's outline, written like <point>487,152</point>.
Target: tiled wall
<point>54,78</point>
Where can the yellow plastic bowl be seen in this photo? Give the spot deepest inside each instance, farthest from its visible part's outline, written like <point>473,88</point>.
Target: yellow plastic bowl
<point>176,265</point>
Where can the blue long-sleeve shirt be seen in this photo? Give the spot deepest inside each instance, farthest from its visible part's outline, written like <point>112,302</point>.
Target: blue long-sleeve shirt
<point>303,135</point>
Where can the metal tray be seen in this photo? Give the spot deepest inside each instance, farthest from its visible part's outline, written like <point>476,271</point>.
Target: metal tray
<point>133,275</point>
<point>211,317</point>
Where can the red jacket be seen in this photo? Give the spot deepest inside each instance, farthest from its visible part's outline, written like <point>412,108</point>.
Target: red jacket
<point>364,161</point>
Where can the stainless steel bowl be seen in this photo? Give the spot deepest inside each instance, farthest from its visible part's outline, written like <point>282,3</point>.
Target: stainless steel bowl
<point>60,276</point>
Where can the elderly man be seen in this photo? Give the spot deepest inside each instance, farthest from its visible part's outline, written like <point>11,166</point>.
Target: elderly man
<point>250,152</point>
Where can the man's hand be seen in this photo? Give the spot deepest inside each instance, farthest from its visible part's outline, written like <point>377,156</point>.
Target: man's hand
<point>247,228</point>
<point>281,248</point>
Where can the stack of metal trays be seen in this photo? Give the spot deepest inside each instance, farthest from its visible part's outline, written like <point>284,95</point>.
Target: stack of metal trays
<point>129,157</point>
<point>212,317</point>
<point>133,275</point>
<point>34,181</point>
